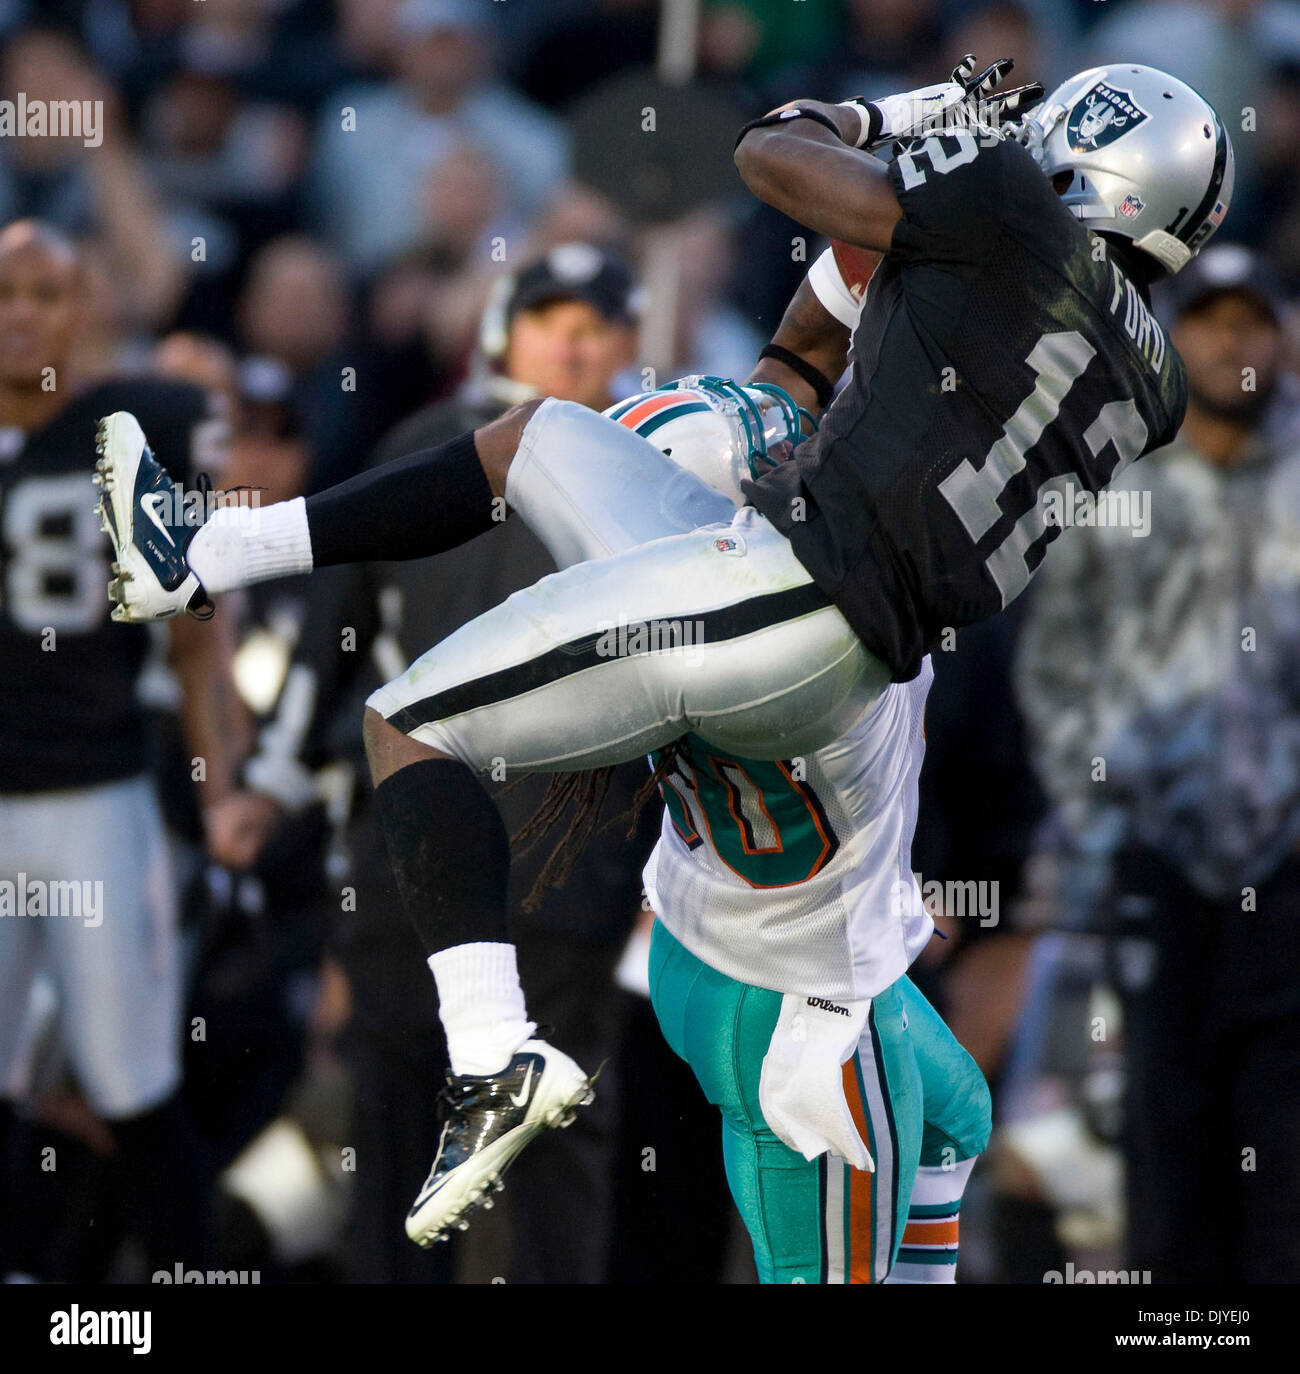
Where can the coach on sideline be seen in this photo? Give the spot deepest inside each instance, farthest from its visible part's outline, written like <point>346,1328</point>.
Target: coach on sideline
<point>1160,673</point>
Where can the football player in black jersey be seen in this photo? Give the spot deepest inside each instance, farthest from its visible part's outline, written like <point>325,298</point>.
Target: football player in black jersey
<point>85,888</point>
<point>1007,352</point>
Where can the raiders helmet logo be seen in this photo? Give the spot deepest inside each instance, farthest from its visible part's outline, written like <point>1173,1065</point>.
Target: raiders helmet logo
<point>1101,116</point>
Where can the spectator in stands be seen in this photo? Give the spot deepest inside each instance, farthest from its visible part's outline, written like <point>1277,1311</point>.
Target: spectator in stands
<point>378,144</point>
<point>1160,673</point>
<point>295,309</point>
<point>101,189</point>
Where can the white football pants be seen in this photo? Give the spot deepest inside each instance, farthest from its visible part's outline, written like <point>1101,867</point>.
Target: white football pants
<point>673,613</point>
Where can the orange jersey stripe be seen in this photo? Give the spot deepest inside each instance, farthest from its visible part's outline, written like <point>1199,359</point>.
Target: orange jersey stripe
<point>860,1185</point>
<point>930,1233</point>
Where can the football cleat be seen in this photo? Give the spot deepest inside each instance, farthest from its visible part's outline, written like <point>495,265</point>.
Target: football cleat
<point>141,511</point>
<point>486,1121</point>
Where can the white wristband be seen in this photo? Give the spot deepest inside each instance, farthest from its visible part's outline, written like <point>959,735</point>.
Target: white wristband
<point>901,115</point>
<point>864,130</point>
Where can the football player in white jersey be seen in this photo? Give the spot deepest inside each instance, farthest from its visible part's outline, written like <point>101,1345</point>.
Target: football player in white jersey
<point>787,916</point>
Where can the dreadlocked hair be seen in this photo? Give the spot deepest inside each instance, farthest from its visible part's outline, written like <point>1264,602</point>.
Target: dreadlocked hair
<point>587,791</point>
<point>665,766</point>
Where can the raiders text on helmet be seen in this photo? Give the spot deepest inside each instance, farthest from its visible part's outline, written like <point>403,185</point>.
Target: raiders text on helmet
<point>1150,158</point>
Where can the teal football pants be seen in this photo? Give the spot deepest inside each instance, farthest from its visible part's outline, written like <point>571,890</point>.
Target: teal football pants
<point>916,1095</point>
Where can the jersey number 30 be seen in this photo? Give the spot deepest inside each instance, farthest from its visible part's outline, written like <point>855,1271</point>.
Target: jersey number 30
<point>761,819</point>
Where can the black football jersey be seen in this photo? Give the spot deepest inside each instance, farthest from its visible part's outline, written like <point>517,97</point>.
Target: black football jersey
<point>1004,365</point>
<point>68,710</point>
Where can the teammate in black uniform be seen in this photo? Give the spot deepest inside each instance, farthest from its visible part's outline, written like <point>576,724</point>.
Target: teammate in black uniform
<point>1006,352</point>
<point>76,803</point>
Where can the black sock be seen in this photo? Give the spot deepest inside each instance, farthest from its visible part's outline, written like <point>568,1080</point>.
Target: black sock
<point>450,853</point>
<point>166,1185</point>
<point>422,504</point>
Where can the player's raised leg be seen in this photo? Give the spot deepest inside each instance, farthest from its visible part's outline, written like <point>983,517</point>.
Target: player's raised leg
<point>719,630</point>
<point>416,506</point>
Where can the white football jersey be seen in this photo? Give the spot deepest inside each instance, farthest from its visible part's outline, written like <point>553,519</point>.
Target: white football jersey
<point>797,875</point>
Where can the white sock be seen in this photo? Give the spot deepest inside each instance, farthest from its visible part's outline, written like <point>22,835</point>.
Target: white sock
<point>240,545</point>
<point>481,1005</point>
<point>928,1253</point>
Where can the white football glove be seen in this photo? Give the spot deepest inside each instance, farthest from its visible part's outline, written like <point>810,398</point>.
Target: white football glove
<point>964,102</point>
<point>801,1087</point>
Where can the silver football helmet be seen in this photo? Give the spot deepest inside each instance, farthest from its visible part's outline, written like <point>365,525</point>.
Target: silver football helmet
<point>1150,158</point>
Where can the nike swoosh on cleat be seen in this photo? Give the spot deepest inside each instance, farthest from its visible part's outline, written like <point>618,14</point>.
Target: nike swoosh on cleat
<point>522,1096</point>
<point>146,504</point>
<point>426,1195</point>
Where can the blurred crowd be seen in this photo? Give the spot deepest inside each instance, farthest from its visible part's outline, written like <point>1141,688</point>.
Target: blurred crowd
<point>367,225</point>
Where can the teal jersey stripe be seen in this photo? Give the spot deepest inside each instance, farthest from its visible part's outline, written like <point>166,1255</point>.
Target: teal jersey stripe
<point>932,1210</point>
<point>906,1255</point>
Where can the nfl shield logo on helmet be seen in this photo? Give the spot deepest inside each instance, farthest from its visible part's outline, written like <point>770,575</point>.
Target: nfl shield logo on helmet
<point>1101,116</point>
<point>1132,207</point>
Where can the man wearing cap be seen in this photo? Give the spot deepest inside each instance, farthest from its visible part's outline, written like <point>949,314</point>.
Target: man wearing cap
<point>1160,672</point>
